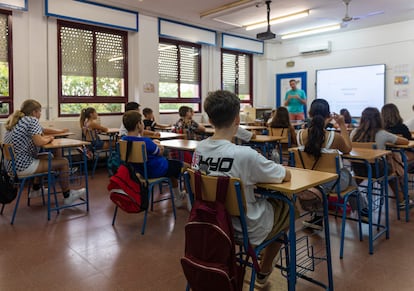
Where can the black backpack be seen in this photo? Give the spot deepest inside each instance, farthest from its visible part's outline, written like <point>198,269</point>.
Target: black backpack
<point>209,262</point>
<point>8,186</point>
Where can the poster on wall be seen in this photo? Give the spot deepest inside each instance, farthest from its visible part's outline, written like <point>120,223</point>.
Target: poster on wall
<point>402,80</point>
<point>282,86</point>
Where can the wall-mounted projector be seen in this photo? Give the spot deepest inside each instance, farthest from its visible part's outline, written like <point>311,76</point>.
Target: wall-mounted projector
<point>265,35</point>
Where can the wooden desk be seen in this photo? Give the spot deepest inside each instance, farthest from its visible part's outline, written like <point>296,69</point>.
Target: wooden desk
<point>59,135</point>
<point>302,179</point>
<point>253,127</point>
<point>168,135</point>
<point>63,143</point>
<point>373,156</point>
<point>266,142</point>
<point>180,144</point>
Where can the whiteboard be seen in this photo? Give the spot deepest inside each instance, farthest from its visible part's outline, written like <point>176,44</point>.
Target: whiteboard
<point>353,88</point>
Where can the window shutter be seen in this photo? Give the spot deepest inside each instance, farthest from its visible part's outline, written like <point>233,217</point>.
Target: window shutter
<point>77,51</point>
<point>168,63</point>
<point>109,55</point>
<point>244,74</point>
<point>4,31</point>
<point>189,70</point>
<point>229,72</point>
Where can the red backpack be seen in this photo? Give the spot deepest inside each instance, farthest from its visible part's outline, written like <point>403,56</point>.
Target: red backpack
<point>209,262</point>
<point>126,190</point>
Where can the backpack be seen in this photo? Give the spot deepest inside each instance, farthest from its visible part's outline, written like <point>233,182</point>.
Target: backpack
<point>113,162</point>
<point>126,190</point>
<point>8,187</point>
<point>209,262</point>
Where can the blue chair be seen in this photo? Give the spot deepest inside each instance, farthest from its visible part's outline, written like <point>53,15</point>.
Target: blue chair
<point>331,162</point>
<point>9,157</point>
<point>96,147</point>
<point>236,206</point>
<point>137,154</point>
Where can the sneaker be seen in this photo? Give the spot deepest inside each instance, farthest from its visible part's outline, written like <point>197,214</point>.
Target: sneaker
<point>74,195</point>
<point>35,193</point>
<point>179,199</point>
<point>73,170</point>
<point>403,203</point>
<point>364,215</point>
<point>315,223</point>
<point>261,278</point>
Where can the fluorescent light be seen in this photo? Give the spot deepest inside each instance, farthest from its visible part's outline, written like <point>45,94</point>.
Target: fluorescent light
<point>311,31</point>
<point>278,20</point>
<point>116,59</point>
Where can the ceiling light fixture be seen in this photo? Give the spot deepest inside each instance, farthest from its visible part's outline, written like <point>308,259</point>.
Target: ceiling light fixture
<point>227,8</point>
<point>311,31</point>
<point>277,20</point>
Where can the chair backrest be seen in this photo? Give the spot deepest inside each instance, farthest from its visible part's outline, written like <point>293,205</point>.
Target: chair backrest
<point>208,191</point>
<point>9,156</point>
<point>328,162</point>
<point>282,132</point>
<point>138,152</point>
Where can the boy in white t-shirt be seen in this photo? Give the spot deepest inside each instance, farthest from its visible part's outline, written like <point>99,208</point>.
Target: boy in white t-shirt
<point>219,156</point>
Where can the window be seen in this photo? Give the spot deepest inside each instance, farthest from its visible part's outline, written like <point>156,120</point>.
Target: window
<point>236,74</point>
<point>179,68</point>
<point>93,68</point>
<point>6,64</point>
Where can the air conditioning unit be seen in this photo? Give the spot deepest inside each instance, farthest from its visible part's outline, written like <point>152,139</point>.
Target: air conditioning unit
<point>315,48</point>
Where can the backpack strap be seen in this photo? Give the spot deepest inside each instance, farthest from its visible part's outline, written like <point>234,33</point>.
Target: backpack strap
<point>128,150</point>
<point>197,182</point>
<point>303,163</point>
<point>221,190</point>
<point>331,137</point>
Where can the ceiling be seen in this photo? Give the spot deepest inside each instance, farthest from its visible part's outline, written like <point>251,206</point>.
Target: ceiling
<point>365,13</point>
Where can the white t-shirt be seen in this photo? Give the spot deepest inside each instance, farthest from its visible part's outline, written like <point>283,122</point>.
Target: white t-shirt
<point>224,158</point>
<point>244,134</point>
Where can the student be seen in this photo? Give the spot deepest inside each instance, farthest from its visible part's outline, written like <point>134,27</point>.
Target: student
<point>265,217</point>
<point>25,133</point>
<point>135,106</point>
<point>393,121</point>
<point>349,121</point>
<point>316,140</point>
<point>295,99</point>
<point>282,120</point>
<point>371,129</point>
<point>410,122</point>
<point>149,120</point>
<point>90,126</point>
<point>186,124</point>
<point>272,115</point>
<point>158,166</point>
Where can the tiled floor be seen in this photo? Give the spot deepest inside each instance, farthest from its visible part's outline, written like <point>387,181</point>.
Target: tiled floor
<point>82,251</point>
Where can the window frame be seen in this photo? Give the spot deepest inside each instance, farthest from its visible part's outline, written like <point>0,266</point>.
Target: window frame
<point>237,54</point>
<point>91,99</point>
<point>9,99</point>
<point>182,100</point>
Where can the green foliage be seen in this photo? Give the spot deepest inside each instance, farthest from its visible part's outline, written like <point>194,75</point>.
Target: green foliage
<point>75,108</point>
<point>4,79</point>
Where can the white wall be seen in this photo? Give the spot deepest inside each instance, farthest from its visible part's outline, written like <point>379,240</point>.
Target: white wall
<point>392,45</point>
<point>35,62</point>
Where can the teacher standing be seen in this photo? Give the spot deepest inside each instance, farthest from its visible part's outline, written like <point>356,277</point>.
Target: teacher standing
<point>295,99</point>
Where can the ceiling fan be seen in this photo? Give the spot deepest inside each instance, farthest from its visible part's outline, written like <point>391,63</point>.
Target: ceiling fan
<point>347,18</point>
<point>267,34</point>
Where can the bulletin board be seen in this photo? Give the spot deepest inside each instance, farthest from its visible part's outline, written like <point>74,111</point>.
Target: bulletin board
<point>282,86</point>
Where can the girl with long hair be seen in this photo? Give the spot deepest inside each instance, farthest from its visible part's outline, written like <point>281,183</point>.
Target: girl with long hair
<point>22,124</point>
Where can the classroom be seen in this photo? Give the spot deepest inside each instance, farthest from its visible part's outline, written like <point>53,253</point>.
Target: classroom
<point>80,250</point>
